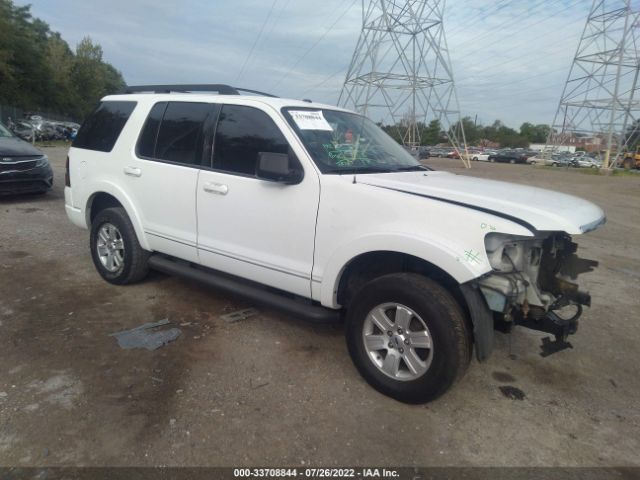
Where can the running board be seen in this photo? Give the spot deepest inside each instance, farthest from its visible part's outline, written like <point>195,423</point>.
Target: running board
<point>249,290</point>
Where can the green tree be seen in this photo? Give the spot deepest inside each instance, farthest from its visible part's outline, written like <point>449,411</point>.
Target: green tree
<point>534,133</point>
<point>432,133</point>
<point>38,70</point>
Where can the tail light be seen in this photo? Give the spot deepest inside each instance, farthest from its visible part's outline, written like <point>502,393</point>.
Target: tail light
<point>67,178</point>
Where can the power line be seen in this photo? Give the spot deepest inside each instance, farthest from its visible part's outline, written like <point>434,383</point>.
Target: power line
<point>303,56</point>
<point>255,42</point>
<point>474,52</point>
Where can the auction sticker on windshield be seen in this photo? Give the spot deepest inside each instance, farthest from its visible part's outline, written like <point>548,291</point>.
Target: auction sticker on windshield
<point>310,120</point>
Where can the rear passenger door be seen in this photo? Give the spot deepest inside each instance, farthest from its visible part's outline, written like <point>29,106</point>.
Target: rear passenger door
<point>250,227</point>
<point>174,144</point>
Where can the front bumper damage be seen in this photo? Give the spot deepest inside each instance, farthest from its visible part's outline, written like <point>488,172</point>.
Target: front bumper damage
<point>533,284</point>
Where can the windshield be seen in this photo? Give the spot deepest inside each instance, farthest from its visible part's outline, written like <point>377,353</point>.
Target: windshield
<point>341,142</point>
<point>4,132</point>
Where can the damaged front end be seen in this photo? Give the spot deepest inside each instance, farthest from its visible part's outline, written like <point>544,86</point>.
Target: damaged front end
<point>533,284</point>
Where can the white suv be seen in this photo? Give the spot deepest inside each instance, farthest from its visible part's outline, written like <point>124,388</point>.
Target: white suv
<point>314,210</point>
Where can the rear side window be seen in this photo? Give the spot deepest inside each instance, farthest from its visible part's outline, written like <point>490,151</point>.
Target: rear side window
<point>243,132</point>
<point>101,129</point>
<point>181,133</point>
<point>149,136</point>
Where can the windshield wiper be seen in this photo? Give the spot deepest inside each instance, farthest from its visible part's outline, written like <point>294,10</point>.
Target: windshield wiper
<point>412,168</point>
<point>363,169</point>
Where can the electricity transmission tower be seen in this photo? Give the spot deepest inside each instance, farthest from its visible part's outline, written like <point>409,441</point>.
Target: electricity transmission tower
<point>600,100</point>
<point>400,70</point>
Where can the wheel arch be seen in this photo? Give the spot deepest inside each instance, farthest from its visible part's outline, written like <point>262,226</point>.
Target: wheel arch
<point>370,265</point>
<point>109,198</point>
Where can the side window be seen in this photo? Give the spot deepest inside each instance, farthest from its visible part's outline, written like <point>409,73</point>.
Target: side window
<point>101,129</point>
<point>149,136</point>
<point>243,132</point>
<point>181,133</point>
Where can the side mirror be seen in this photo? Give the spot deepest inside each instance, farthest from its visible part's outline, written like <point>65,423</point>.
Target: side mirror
<point>276,168</point>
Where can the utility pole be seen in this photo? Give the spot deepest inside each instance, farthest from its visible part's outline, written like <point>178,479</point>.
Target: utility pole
<point>599,97</point>
<point>401,71</point>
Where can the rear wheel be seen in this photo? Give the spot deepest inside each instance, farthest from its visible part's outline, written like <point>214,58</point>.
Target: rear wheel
<point>408,337</point>
<point>115,250</point>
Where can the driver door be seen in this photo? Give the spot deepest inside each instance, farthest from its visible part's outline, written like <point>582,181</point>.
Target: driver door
<point>253,228</point>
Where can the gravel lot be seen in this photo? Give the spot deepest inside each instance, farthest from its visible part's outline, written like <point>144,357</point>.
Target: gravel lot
<point>271,390</point>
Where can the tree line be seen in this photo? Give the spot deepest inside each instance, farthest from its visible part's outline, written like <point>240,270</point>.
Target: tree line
<point>476,134</point>
<point>39,71</point>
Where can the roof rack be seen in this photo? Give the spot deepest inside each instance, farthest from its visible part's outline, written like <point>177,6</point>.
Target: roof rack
<point>219,88</point>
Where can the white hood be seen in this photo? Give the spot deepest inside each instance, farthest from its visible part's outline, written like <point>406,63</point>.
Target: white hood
<point>543,210</point>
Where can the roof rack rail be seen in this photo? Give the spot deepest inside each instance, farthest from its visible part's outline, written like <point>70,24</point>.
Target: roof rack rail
<point>220,88</point>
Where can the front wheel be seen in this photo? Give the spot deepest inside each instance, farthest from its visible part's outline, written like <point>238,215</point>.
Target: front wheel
<point>408,337</point>
<point>115,250</point>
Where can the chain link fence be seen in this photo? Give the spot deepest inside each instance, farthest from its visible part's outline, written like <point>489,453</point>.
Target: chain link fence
<point>7,111</point>
<point>15,113</point>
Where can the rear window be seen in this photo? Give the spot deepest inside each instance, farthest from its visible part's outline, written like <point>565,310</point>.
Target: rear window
<point>101,129</point>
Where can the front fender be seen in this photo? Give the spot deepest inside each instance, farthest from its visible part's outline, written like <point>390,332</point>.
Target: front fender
<point>463,259</point>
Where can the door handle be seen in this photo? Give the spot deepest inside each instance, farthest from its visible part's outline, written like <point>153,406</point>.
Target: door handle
<point>218,188</point>
<point>132,171</point>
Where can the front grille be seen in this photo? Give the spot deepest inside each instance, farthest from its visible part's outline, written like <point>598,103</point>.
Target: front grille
<point>18,158</point>
<point>19,166</point>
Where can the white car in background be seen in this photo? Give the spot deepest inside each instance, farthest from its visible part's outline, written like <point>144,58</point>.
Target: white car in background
<point>481,157</point>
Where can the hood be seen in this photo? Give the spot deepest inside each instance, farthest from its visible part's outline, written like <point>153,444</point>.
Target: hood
<point>15,147</point>
<point>535,208</point>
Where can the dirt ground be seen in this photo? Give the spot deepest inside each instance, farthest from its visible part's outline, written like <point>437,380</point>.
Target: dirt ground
<point>271,390</point>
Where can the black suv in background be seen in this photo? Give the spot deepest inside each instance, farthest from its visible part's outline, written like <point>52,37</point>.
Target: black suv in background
<point>509,156</point>
<point>23,168</point>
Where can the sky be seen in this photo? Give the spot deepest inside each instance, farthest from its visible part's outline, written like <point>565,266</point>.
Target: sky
<point>510,58</point>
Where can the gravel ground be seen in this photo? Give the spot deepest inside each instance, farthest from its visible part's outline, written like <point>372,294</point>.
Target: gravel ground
<point>270,390</point>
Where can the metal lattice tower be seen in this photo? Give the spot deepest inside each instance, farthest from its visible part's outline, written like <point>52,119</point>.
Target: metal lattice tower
<point>400,70</point>
<point>600,98</point>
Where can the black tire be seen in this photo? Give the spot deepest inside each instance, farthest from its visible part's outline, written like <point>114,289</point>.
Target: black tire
<point>135,260</point>
<point>492,160</point>
<point>446,324</point>
<point>512,161</point>
<point>532,163</point>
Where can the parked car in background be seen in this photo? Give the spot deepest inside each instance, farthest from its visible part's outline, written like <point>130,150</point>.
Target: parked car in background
<point>508,156</point>
<point>438,152</point>
<point>49,131</point>
<point>553,161</point>
<point>23,130</point>
<point>23,168</point>
<point>588,162</point>
<point>482,156</point>
<point>423,153</point>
